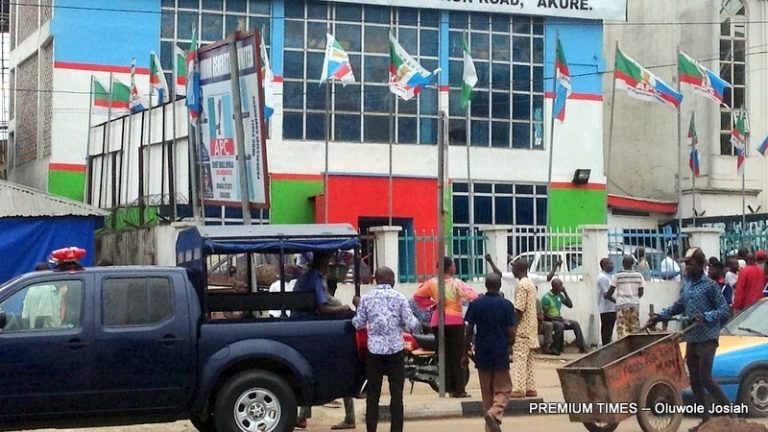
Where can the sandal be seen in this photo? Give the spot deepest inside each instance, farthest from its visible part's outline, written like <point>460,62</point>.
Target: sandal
<point>343,425</point>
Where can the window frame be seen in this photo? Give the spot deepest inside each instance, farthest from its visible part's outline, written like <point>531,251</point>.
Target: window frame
<point>736,20</point>
<point>119,327</point>
<point>46,281</point>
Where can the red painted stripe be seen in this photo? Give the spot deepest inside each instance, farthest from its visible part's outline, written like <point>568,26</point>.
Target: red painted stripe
<point>66,167</point>
<point>279,176</point>
<point>277,79</point>
<point>578,96</point>
<point>569,185</point>
<point>444,88</point>
<point>99,68</point>
<point>640,204</point>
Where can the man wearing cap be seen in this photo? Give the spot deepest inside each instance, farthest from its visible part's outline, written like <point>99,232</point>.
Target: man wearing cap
<point>750,284</point>
<point>700,300</point>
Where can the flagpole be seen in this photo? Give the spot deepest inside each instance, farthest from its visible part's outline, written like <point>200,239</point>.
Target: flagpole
<point>148,162</point>
<point>88,168</point>
<point>172,159</point>
<point>552,132</point>
<point>610,125</point>
<point>679,158</point>
<point>327,139</point>
<point>744,176</point>
<point>391,144</point>
<point>470,187</point>
<point>105,142</point>
<point>693,196</point>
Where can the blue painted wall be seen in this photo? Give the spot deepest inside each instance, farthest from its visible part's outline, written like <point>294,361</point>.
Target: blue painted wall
<point>106,32</point>
<point>583,45</point>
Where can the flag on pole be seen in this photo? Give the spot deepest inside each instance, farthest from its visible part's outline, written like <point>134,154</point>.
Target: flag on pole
<point>469,79</point>
<point>741,157</point>
<point>121,98</point>
<point>100,98</point>
<point>701,79</point>
<point>406,76</point>
<point>763,147</point>
<point>137,102</point>
<point>157,79</point>
<point>336,62</point>
<point>180,71</point>
<point>269,82</point>
<point>739,139</point>
<point>640,83</point>
<point>693,143</point>
<point>193,80</point>
<point>562,83</point>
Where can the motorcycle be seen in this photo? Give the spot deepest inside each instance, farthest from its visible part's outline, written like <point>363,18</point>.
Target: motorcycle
<point>421,360</point>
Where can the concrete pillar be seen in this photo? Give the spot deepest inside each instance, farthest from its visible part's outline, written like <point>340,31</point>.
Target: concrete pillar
<point>594,247</point>
<point>387,246</point>
<point>496,244</point>
<point>708,239</point>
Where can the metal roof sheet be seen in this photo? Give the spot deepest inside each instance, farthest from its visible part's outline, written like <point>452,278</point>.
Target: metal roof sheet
<point>22,201</point>
<point>276,231</point>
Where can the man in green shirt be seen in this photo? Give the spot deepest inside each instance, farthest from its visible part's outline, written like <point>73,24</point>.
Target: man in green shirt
<point>552,303</point>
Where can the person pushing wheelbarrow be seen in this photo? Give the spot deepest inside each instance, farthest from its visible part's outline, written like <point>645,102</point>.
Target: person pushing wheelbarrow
<point>701,300</point>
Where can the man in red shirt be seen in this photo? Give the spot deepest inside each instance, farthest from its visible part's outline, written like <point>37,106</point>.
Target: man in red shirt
<point>749,286</point>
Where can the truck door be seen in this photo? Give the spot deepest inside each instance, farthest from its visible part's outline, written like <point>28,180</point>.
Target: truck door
<point>143,342</point>
<point>47,347</point>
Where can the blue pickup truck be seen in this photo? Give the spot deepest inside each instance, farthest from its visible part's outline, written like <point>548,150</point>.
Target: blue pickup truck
<point>140,344</point>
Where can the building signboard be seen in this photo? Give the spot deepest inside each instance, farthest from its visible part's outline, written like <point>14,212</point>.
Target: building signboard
<point>219,166</point>
<point>586,9</point>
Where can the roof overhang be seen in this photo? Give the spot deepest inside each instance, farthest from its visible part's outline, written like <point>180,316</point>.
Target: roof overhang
<point>641,204</point>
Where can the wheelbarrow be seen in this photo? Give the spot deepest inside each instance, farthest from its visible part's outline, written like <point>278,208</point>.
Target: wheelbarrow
<point>639,375</point>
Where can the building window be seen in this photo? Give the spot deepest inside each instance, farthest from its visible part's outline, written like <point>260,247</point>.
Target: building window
<point>733,43</point>
<point>212,19</point>
<point>507,108</point>
<point>360,111</point>
<point>499,204</point>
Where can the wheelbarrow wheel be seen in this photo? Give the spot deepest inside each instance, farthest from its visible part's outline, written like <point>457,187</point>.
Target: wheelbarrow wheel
<point>601,427</point>
<point>658,392</point>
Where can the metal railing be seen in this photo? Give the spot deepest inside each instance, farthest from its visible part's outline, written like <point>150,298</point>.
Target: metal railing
<point>419,254</point>
<point>656,244</point>
<point>730,242</point>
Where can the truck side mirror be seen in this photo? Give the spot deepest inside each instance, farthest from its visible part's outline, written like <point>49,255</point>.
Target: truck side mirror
<point>2,319</point>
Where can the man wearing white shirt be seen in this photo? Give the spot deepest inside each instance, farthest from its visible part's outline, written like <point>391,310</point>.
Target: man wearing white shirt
<point>510,281</point>
<point>669,268</point>
<point>292,273</point>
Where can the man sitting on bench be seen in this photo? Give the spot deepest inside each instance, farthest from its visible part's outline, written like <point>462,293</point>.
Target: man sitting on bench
<point>552,302</point>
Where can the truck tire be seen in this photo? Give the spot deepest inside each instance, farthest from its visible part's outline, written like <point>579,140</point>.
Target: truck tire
<point>255,401</point>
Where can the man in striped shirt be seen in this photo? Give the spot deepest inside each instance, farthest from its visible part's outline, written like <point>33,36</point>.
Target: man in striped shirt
<point>628,286</point>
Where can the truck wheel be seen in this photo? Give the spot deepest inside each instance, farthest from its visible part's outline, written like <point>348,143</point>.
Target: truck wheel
<point>753,392</point>
<point>255,401</point>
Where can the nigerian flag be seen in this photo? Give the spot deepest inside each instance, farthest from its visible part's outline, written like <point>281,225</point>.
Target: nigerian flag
<point>469,79</point>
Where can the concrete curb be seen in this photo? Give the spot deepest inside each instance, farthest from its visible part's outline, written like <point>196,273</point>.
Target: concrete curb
<point>443,409</point>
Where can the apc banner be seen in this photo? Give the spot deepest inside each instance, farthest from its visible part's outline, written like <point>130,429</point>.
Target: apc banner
<point>219,168</point>
<point>586,9</point>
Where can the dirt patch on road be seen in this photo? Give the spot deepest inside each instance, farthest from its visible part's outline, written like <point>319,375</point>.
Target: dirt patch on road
<point>723,424</point>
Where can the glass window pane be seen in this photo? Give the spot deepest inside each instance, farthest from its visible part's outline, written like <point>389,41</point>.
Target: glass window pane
<point>212,27</point>
<point>213,5</point>
<point>521,78</point>
<point>406,130</point>
<point>348,98</point>
<point>260,7</point>
<point>521,49</point>
<point>458,20</point>
<point>377,14</point>
<point>483,210</point>
<point>293,95</point>
<point>294,34</point>
<point>480,104</point>
<point>376,99</point>
<point>480,46</point>
<point>504,211</point>
<point>500,48</point>
<point>407,107</point>
<point>538,50</point>
<point>483,187</point>
<point>316,35</point>
<point>429,18</point>
<point>460,209</point>
<point>234,23</point>
<point>524,211</point>
<point>409,40</point>
<point>427,130</point>
<point>504,188</point>
<point>460,187</point>
<point>317,10</point>
<point>500,77</point>
<point>428,101</point>
<point>455,71</point>
<point>521,106</point>
<point>258,23</point>
<point>482,70</point>
<point>376,39</point>
<point>479,133</point>
<point>429,43</point>
<point>292,125</point>
<point>524,189</point>
<point>349,12</point>
<point>538,79</point>
<point>189,4</point>
<point>521,135</point>
<point>538,26</point>
<point>480,21</point>
<point>376,129</point>
<point>166,56</point>
<point>457,132</point>
<point>314,66</point>
<point>168,3</point>
<point>294,9</point>
<point>348,36</point>
<point>500,23</point>
<point>500,108</point>
<point>500,134</point>
<point>521,24</point>
<point>454,107</point>
<point>541,211</point>
<point>541,189</point>
<point>236,6</point>
<point>408,17</point>
<point>456,44</point>
<point>167,25</point>
<point>376,68</point>
<point>187,22</point>
<point>315,126</point>
<point>347,127</point>
<point>294,64</point>
<point>315,96</point>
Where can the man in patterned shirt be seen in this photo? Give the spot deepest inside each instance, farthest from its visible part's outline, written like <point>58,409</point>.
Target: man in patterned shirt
<point>386,313</point>
<point>701,300</point>
<point>527,335</point>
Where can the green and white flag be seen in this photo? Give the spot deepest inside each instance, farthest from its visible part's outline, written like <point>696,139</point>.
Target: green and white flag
<point>469,79</point>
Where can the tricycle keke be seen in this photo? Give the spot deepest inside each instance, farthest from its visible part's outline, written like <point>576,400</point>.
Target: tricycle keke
<point>641,374</point>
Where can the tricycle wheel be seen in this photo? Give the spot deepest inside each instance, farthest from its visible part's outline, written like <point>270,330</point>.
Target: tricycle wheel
<point>601,427</point>
<point>656,395</point>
